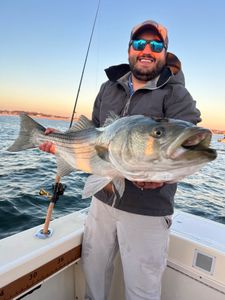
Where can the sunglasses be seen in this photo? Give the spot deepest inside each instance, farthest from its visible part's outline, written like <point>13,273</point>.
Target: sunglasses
<point>139,45</point>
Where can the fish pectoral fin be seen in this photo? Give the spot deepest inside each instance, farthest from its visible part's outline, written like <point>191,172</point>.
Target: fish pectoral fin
<point>63,168</point>
<point>102,152</point>
<point>94,184</point>
<point>119,185</point>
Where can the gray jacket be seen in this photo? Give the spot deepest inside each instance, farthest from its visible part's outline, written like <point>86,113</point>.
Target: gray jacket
<point>164,97</point>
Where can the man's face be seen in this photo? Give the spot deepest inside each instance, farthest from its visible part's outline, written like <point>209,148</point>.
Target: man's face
<point>146,65</point>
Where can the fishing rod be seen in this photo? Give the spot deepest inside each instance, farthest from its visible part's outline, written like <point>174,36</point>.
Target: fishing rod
<point>58,188</point>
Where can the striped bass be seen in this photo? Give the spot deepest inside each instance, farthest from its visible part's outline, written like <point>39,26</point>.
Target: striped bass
<point>137,148</point>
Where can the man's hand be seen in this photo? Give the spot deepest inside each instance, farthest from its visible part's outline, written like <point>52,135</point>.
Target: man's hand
<point>147,185</point>
<point>48,146</point>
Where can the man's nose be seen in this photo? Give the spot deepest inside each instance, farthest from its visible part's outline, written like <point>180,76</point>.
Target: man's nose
<point>147,49</point>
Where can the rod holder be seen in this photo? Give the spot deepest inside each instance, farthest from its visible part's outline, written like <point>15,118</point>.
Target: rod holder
<point>41,235</point>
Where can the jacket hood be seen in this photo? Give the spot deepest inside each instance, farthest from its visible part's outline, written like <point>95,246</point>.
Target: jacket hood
<point>171,71</point>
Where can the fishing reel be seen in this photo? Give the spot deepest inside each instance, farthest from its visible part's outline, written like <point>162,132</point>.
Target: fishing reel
<point>43,192</point>
<point>58,190</point>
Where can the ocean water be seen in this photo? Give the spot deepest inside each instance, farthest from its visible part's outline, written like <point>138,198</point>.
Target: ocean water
<point>24,173</point>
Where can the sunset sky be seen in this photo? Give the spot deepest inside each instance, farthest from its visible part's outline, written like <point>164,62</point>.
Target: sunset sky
<point>43,44</point>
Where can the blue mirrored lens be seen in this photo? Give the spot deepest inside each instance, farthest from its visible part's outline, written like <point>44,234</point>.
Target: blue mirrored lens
<point>139,44</point>
<point>156,46</point>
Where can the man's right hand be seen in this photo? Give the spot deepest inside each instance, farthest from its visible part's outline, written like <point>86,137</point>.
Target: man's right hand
<point>48,146</point>
<point>148,185</point>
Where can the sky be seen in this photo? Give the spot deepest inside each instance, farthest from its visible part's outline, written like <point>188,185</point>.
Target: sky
<point>43,45</point>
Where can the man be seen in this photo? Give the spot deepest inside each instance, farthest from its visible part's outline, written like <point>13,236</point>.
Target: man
<point>138,223</point>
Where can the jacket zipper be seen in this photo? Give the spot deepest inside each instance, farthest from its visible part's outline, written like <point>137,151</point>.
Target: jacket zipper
<point>130,85</point>
<point>126,108</point>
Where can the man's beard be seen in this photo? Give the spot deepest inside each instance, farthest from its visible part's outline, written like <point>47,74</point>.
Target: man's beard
<point>146,75</point>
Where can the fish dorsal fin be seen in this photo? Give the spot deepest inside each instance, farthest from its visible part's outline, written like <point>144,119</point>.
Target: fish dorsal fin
<point>81,124</point>
<point>111,118</point>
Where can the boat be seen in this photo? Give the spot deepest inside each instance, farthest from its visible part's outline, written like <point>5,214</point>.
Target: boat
<point>32,268</point>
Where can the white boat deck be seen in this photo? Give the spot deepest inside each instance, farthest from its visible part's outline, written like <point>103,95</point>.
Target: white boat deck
<point>196,262</point>
<point>200,230</point>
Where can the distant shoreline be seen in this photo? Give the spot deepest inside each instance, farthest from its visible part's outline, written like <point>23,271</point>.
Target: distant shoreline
<point>55,117</point>
<point>33,114</point>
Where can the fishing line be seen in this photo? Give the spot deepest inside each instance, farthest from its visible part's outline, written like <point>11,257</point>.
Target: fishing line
<point>85,61</point>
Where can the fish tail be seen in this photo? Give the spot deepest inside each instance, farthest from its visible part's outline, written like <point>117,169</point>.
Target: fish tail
<point>25,139</point>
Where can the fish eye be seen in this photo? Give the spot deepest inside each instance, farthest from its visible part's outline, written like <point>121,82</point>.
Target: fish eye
<point>158,132</point>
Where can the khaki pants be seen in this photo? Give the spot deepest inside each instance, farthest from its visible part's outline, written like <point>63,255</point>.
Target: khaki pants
<point>142,242</point>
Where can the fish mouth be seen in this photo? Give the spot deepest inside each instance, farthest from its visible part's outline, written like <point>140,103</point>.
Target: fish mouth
<point>194,141</point>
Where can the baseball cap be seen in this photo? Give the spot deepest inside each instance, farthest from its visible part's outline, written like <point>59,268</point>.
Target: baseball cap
<point>149,24</point>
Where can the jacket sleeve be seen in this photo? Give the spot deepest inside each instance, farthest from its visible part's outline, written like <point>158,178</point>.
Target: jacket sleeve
<point>182,106</point>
